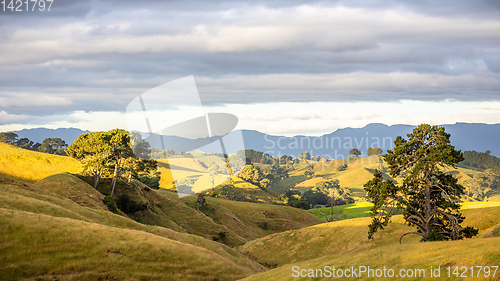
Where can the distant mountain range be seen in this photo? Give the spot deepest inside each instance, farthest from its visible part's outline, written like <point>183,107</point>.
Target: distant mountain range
<point>69,135</point>
<point>464,136</point>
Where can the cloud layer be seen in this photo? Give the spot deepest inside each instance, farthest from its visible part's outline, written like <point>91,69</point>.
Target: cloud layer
<point>98,55</point>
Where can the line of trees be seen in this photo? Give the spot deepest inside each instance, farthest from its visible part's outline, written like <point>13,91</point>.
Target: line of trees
<point>481,160</point>
<point>49,145</point>
<point>480,183</point>
<point>264,180</point>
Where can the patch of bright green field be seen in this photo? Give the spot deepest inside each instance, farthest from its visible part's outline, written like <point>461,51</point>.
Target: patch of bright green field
<point>349,211</point>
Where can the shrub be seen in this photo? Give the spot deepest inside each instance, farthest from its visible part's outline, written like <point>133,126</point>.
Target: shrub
<point>127,205</point>
<point>263,224</point>
<point>152,182</point>
<point>342,167</point>
<point>110,203</point>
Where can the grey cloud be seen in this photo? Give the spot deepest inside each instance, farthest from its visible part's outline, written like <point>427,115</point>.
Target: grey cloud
<point>493,62</point>
<point>78,66</point>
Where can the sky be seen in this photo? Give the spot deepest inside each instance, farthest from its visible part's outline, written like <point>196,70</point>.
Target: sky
<point>282,67</point>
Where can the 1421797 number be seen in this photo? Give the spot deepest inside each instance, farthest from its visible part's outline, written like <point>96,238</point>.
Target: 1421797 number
<point>26,5</point>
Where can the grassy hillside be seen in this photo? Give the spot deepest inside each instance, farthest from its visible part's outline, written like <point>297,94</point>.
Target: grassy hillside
<point>165,209</point>
<point>73,188</point>
<point>33,166</point>
<point>46,236</point>
<point>72,249</point>
<point>358,172</point>
<point>243,191</point>
<point>254,220</point>
<point>407,256</point>
<point>348,237</point>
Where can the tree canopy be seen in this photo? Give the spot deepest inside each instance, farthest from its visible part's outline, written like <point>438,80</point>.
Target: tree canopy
<point>8,137</point>
<point>111,152</point>
<point>427,195</point>
<point>374,151</point>
<point>92,149</point>
<point>354,153</point>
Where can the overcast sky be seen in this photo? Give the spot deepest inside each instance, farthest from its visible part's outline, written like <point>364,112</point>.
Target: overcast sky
<point>282,67</point>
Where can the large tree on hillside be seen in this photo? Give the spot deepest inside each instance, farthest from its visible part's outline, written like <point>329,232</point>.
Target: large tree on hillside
<point>427,195</point>
<point>119,150</point>
<point>92,149</point>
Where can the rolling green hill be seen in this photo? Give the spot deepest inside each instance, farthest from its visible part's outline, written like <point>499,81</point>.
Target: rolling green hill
<point>73,188</point>
<point>254,220</point>
<point>344,244</point>
<point>358,172</point>
<point>33,166</point>
<point>408,257</point>
<point>347,236</point>
<point>56,226</point>
<point>45,235</point>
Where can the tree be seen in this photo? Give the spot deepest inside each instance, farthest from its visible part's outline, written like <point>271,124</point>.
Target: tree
<point>314,197</point>
<point>342,167</point>
<point>53,146</point>
<point>427,195</point>
<point>119,149</point>
<point>309,171</point>
<point>294,199</point>
<point>200,201</point>
<point>377,151</point>
<point>305,155</point>
<point>337,195</point>
<point>374,151</point>
<point>354,153</point>
<point>250,173</point>
<point>25,143</point>
<point>265,183</point>
<point>92,149</point>
<point>8,137</point>
<point>140,147</point>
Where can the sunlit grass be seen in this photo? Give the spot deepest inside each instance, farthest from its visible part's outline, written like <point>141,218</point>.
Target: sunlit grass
<point>349,211</point>
<point>34,166</point>
<point>347,239</point>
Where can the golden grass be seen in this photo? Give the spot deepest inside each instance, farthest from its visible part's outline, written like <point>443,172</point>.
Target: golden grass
<point>33,166</point>
<point>73,188</point>
<point>412,256</point>
<point>240,220</point>
<point>72,241</point>
<point>347,237</point>
<point>38,245</point>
